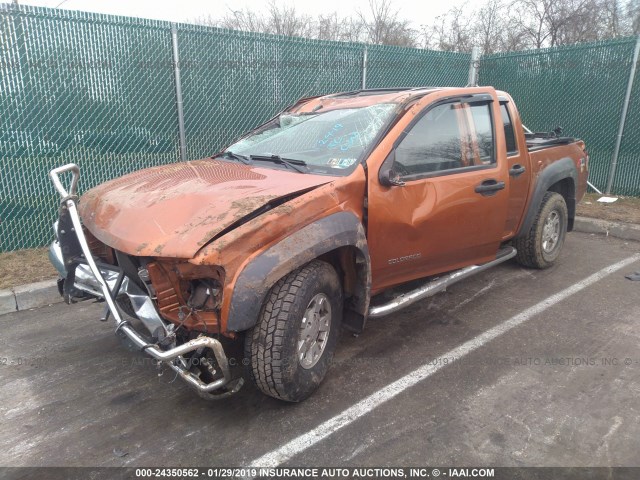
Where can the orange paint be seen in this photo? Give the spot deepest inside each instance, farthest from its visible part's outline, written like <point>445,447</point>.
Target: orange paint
<point>194,218</point>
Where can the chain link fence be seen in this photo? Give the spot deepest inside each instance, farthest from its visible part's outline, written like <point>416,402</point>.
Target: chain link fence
<point>232,81</point>
<point>626,180</point>
<point>390,66</point>
<point>100,91</point>
<point>72,90</point>
<point>580,88</point>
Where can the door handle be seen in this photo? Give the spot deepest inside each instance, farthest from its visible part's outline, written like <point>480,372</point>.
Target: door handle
<point>516,170</point>
<point>489,187</point>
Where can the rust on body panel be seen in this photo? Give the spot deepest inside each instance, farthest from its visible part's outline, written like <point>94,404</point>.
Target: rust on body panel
<point>173,210</point>
<point>342,194</point>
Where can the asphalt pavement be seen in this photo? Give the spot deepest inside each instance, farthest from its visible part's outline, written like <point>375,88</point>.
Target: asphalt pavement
<point>550,381</point>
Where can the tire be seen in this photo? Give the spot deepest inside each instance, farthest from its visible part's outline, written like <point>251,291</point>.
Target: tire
<point>541,247</point>
<point>275,365</point>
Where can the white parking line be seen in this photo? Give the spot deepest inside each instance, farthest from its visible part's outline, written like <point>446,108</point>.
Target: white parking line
<point>366,405</point>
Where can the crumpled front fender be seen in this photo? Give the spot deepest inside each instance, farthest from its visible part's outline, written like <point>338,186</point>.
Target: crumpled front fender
<point>262,272</point>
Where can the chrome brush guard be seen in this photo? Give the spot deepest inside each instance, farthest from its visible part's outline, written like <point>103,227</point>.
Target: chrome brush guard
<point>73,258</point>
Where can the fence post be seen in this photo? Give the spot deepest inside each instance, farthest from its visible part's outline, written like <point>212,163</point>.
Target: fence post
<point>179,103</point>
<point>365,60</point>
<point>474,67</point>
<point>623,119</point>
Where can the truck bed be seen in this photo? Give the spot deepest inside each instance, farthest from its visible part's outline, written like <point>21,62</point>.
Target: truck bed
<point>537,141</point>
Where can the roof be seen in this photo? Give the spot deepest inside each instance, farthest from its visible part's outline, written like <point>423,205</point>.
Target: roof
<point>361,98</point>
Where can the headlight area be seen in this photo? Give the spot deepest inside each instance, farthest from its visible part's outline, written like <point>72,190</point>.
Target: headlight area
<point>187,295</point>
<point>132,287</point>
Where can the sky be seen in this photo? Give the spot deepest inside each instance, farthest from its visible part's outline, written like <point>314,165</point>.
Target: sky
<point>419,11</point>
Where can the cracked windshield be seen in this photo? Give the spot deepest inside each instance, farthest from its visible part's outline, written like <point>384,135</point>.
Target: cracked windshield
<point>330,142</point>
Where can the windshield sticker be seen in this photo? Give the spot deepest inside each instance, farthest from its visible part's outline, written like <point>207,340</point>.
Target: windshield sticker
<point>341,162</point>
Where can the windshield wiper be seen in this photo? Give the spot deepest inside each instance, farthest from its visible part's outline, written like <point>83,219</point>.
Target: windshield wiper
<point>288,162</point>
<point>235,156</point>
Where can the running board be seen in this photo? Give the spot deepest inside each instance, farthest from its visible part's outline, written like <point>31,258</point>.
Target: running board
<point>435,286</point>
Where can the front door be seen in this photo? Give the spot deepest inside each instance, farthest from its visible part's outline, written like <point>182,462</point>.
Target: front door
<point>452,208</point>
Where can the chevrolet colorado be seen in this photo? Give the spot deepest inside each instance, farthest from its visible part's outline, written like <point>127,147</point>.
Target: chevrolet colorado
<point>245,265</point>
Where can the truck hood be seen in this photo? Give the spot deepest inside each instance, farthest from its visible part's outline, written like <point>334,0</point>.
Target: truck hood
<point>173,210</point>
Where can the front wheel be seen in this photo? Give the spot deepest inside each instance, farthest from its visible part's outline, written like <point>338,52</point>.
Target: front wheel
<point>291,346</point>
<point>541,246</point>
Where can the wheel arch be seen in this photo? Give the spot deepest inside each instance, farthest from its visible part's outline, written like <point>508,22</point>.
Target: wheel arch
<point>560,177</point>
<point>338,239</point>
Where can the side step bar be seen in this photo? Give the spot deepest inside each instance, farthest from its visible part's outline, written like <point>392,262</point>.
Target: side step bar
<point>440,284</point>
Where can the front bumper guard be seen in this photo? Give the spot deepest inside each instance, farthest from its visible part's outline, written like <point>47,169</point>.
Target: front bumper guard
<point>109,290</point>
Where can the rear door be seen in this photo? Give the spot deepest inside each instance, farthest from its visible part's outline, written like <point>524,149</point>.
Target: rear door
<point>452,208</point>
<point>519,165</point>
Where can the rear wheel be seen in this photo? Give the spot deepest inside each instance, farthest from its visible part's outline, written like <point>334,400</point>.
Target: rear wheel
<point>541,247</point>
<point>291,346</point>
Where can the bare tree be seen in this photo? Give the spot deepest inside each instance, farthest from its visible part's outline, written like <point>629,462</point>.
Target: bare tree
<point>285,20</point>
<point>383,25</point>
<point>613,16</point>
<point>632,14</point>
<point>513,41</point>
<point>332,27</point>
<point>490,26</point>
<point>572,21</point>
<point>329,27</point>
<point>532,21</point>
<point>278,19</point>
<point>243,20</point>
<point>453,31</point>
<point>498,25</point>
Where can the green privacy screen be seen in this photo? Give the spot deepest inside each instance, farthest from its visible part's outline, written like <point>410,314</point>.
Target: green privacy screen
<point>100,91</point>
<point>72,90</point>
<point>580,88</point>
<point>627,178</point>
<point>390,66</point>
<point>233,81</point>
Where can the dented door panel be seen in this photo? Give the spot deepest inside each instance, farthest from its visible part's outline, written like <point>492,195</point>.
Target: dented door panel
<point>435,224</point>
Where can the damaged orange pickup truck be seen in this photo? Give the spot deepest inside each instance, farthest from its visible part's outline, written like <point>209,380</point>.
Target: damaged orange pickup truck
<point>245,265</point>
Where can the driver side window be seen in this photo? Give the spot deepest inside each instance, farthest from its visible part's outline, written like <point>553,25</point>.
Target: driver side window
<point>434,143</point>
<point>450,136</point>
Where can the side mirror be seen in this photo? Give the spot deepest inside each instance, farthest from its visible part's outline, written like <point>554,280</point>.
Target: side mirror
<point>388,177</point>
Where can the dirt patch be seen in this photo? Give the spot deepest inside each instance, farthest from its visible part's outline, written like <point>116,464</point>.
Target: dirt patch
<point>625,210</point>
<point>25,266</point>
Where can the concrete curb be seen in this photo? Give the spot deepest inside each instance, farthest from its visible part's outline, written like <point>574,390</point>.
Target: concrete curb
<point>28,296</point>
<point>624,231</point>
<point>45,293</point>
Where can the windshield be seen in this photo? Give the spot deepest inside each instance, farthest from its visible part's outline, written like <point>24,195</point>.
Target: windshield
<point>330,142</point>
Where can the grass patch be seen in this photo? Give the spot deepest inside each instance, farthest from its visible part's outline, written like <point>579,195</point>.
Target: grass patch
<point>625,210</point>
<point>25,266</point>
